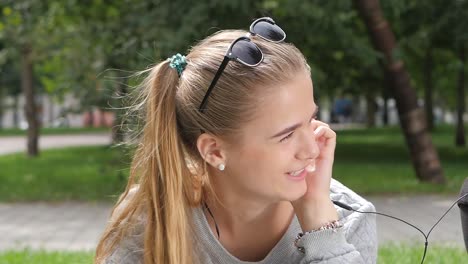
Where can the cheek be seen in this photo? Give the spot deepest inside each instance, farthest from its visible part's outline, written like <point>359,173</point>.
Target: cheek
<point>251,158</point>
<point>256,161</point>
<point>269,161</point>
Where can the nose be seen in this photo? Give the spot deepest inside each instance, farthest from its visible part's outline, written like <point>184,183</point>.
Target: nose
<point>308,148</point>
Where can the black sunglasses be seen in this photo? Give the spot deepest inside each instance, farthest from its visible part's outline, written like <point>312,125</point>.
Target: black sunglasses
<point>245,51</point>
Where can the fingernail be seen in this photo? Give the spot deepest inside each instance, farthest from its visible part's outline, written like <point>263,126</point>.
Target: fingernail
<point>318,130</point>
<point>310,168</point>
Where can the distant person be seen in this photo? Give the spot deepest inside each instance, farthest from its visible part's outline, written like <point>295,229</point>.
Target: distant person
<point>342,110</point>
<point>233,166</point>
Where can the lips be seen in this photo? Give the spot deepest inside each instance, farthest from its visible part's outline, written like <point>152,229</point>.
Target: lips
<point>295,173</point>
<point>308,168</point>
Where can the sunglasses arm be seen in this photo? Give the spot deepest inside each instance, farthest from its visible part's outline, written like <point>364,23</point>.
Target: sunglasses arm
<point>213,83</point>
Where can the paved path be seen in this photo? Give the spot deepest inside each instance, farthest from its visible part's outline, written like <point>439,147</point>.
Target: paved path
<point>61,226</point>
<point>11,144</point>
<point>77,226</point>
<point>423,212</point>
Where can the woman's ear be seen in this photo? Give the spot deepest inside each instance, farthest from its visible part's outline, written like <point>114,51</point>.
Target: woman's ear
<point>211,149</point>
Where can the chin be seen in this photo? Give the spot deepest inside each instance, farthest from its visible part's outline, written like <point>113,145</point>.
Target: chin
<point>293,194</point>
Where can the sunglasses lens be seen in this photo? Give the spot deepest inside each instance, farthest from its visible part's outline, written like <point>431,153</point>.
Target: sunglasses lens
<point>269,31</point>
<point>247,52</point>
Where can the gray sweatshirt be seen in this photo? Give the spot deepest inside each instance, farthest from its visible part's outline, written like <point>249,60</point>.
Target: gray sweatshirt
<point>355,242</point>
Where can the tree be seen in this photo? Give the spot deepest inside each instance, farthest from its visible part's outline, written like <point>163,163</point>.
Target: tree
<point>124,41</point>
<point>460,131</point>
<point>20,22</point>
<point>454,25</point>
<point>9,83</point>
<point>412,118</point>
<point>413,23</point>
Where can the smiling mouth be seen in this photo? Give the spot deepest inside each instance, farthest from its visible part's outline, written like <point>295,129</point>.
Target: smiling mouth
<point>295,173</point>
<point>308,168</point>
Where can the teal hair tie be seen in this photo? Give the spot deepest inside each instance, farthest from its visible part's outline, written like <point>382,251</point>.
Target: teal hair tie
<point>178,62</point>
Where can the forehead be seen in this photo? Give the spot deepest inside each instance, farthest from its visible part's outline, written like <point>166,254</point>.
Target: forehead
<point>283,104</point>
<point>289,97</point>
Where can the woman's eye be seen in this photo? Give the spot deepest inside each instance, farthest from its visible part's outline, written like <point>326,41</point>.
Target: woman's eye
<point>286,137</point>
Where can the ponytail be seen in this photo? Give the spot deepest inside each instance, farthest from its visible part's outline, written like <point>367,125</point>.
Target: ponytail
<point>165,195</point>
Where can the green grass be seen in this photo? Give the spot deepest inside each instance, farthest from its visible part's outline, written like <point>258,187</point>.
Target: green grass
<point>405,254</point>
<point>45,257</point>
<point>79,173</point>
<point>388,254</point>
<point>54,131</point>
<point>377,161</point>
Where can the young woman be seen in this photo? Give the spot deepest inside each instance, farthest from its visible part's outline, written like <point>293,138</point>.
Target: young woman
<point>232,165</point>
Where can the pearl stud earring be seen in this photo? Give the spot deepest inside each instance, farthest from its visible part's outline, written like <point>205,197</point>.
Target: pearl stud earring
<point>221,167</point>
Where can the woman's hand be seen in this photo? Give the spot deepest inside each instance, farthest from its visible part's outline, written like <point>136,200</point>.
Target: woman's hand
<point>318,181</point>
<point>315,208</point>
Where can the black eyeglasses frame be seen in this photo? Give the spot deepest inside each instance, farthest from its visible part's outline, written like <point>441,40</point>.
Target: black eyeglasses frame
<point>229,56</point>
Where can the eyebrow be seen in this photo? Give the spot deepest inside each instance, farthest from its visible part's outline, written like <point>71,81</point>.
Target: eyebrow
<point>293,127</point>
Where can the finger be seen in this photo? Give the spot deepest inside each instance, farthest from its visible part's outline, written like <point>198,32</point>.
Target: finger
<point>326,141</point>
<point>320,123</point>
<point>324,131</point>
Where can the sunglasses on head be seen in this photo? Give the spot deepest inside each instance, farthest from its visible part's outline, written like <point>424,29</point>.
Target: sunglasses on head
<point>245,51</point>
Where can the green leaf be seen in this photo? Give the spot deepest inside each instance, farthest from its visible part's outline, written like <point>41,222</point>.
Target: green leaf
<point>6,11</point>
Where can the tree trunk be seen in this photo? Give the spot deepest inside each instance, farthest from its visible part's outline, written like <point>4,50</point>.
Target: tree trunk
<point>428,88</point>
<point>386,96</point>
<point>15,111</point>
<point>356,113</point>
<point>89,120</point>
<point>30,108</point>
<point>385,110</point>
<point>460,134</point>
<point>51,111</point>
<point>333,117</point>
<point>2,106</point>
<point>412,119</point>
<point>370,110</point>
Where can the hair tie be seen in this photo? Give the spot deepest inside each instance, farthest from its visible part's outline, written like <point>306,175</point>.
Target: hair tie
<point>178,62</point>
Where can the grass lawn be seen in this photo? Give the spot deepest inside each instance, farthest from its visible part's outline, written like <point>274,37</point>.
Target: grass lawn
<point>404,254</point>
<point>43,257</point>
<point>79,173</point>
<point>373,161</point>
<point>54,131</point>
<point>388,254</point>
<point>377,161</point>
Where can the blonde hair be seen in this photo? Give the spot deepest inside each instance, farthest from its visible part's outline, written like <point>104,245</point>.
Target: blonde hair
<point>171,173</point>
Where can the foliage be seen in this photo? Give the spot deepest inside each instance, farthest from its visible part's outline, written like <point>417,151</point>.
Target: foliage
<point>88,47</point>
<point>437,25</point>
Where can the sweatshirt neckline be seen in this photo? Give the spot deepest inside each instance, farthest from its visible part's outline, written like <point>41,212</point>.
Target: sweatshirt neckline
<point>279,251</point>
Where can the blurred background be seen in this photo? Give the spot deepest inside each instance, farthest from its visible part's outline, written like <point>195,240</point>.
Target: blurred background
<point>389,76</point>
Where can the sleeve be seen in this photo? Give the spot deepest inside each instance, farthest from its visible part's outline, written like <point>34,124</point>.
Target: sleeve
<point>130,249</point>
<point>127,252</point>
<point>329,247</point>
<point>361,231</point>
<point>354,242</point>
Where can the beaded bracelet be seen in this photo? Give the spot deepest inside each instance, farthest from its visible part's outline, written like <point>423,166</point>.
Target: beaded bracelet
<point>333,225</point>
